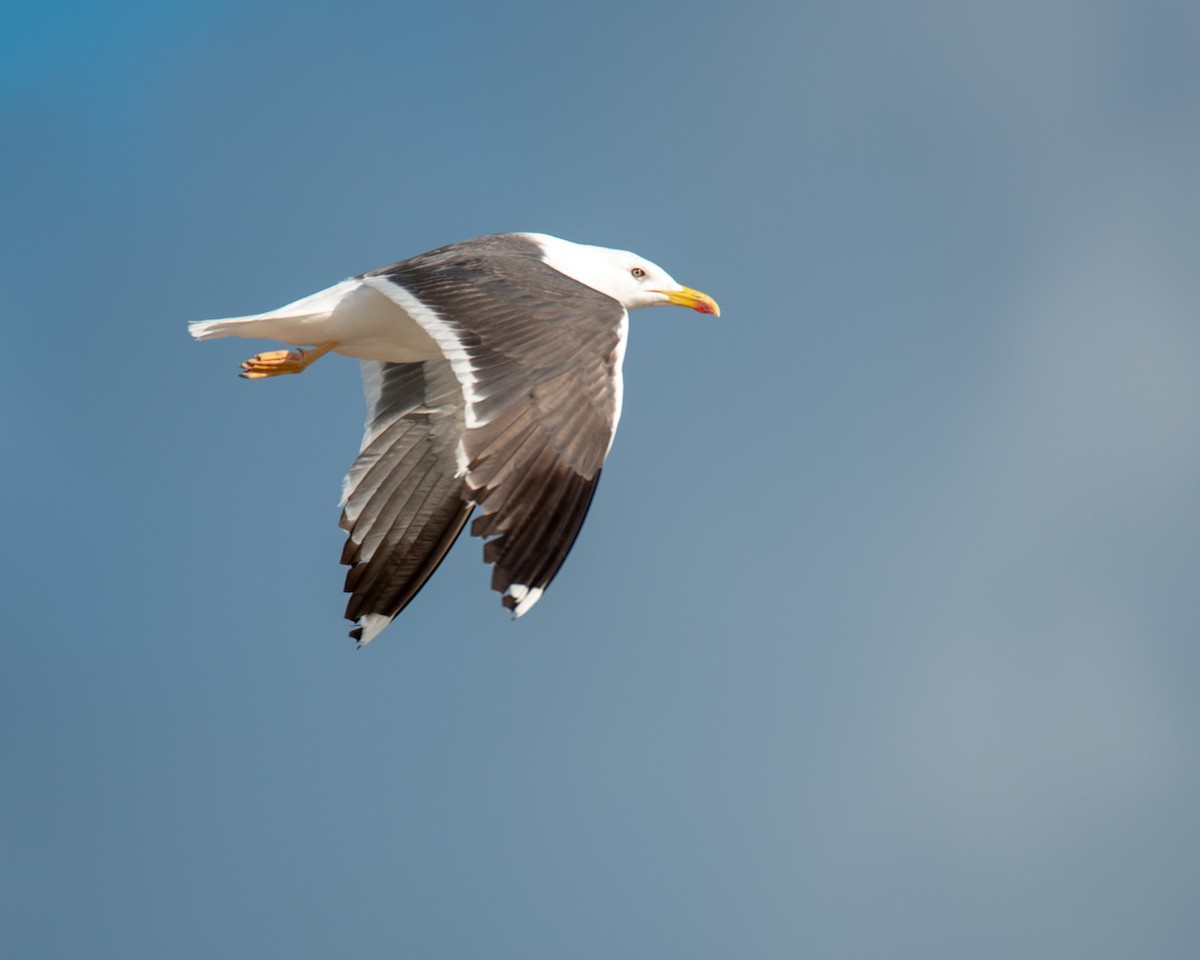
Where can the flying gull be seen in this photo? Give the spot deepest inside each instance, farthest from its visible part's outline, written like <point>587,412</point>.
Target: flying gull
<point>492,370</point>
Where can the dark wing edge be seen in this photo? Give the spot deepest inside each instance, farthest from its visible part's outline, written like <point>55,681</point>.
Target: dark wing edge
<point>533,499</point>
<point>541,353</point>
<point>405,500</point>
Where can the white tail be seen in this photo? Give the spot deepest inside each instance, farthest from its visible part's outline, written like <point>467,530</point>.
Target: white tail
<point>291,323</point>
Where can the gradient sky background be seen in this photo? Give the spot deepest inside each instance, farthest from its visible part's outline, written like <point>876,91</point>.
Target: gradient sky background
<point>881,637</point>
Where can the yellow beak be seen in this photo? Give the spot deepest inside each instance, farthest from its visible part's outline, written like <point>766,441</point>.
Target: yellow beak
<point>687,297</point>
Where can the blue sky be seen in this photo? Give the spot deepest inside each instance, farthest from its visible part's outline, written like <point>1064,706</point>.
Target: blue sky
<point>880,640</point>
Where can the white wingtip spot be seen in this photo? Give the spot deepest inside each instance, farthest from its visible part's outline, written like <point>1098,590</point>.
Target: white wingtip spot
<point>371,625</point>
<point>524,597</point>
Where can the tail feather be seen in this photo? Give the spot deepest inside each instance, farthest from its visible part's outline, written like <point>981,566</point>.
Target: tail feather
<point>227,327</point>
<point>289,323</point>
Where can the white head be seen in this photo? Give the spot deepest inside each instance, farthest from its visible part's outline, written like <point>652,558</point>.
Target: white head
<point>631,280</point>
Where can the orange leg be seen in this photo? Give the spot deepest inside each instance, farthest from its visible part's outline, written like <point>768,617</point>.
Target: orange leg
<point>275,363</point>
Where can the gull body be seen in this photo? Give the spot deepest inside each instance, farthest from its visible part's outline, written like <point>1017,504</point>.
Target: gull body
<point>492,370</point>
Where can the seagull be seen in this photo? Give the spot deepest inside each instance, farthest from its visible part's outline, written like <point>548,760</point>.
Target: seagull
<point>492,372</point>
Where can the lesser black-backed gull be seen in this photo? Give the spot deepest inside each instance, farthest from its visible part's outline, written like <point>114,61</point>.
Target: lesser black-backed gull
<point>492,370</point>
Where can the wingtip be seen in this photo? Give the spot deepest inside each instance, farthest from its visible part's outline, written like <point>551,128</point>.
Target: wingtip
<point>367,628</point>
<point>520,599</point>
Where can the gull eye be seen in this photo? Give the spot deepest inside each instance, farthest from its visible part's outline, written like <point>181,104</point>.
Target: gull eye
<point>638,273</point>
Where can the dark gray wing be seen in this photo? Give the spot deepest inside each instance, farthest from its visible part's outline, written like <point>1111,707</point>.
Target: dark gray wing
<point>540,354</point>
<point>404,498</point>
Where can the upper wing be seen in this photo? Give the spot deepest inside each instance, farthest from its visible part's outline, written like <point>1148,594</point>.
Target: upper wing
<point>404,498</point>
<point>539,357</point>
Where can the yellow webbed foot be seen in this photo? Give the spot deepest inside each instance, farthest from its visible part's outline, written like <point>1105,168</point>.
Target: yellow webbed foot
<point>275,363</point>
